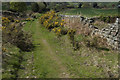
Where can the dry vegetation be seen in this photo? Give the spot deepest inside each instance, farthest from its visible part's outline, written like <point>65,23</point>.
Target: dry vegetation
<point>100,24</point>
<point>74,23</point>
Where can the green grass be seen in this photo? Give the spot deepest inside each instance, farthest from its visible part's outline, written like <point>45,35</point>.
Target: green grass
<point>54,57</point>
<point>90,12</point>
<point>11,61</point>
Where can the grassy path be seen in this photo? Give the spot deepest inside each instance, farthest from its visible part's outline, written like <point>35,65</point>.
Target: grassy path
<point>48,50</point>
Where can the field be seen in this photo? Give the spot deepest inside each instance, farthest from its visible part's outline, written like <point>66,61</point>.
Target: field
<point>90,12</point>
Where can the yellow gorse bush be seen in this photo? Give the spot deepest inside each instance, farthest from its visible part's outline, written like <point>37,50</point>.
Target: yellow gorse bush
<point>63,20</point>
<point>3,27</point>
<point>61,24</point>
<point>59,30</point>
<point>4,49</point>
<point>17,21</point>
<point>71,32</point>
<point>5,21</point>
<point>28,19</point>
<point>9,28</point>
<point>51,20</point>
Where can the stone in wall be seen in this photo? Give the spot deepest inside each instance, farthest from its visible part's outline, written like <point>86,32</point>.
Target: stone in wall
<point>81,19</point>
<point>91,20</point>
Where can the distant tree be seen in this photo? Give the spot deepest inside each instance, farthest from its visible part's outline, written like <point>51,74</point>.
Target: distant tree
<point>95,5</point>
<point>105,6</point>
<point>18,6</point>
<point>35,7</point>
<point>5,5</point>
<point>118,5</point>
<point>80,5</point>
<point>86,5</point>
<point>113,5</point>
<point>42,6</point>
<point>45,4</point>
<point>63,5</point>
<point>70,6</point>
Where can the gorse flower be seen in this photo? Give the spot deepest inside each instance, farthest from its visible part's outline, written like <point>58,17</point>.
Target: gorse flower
<point>17,21</point>
<point>3,27</point>
<point>5,21</point>
<point>59,30</point>
<point>61,24</point>
<point>4,49</point>
<point>63,20</point>
<point>28,19</point>
<point>56,23</point>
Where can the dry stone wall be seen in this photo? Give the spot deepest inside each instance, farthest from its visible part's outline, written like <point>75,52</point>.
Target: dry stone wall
<point>110,32</point>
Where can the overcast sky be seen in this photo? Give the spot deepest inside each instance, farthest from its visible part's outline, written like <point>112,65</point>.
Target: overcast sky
<point>60,0</point>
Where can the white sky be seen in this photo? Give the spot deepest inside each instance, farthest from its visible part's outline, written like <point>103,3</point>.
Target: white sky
<point>60,0</point>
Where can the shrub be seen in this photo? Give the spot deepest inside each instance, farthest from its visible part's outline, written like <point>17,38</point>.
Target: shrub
<point>108,19</point>
<point>17,21</point>
<point>57,31</point>
<point>105,19</point>
<point>51,20</point>
<point>11,61</point>
<point>36,15</point>
<point>4,49</point>
<point>24,41</point>
<point>71,34</point>
<point>95,5</point>
<point>92,42</point>
<point>13,33</point>
<point>102,18</point>
<point>86,5</point>
<point>64,31</point>
<point>29,19</point>
<point>96,42</point>
<point>11,19</point>
<point>70,6</point>
<point>80,5</point>
<point>5,21</point>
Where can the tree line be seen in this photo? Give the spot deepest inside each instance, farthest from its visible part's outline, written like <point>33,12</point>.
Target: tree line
<point>57,6</point>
